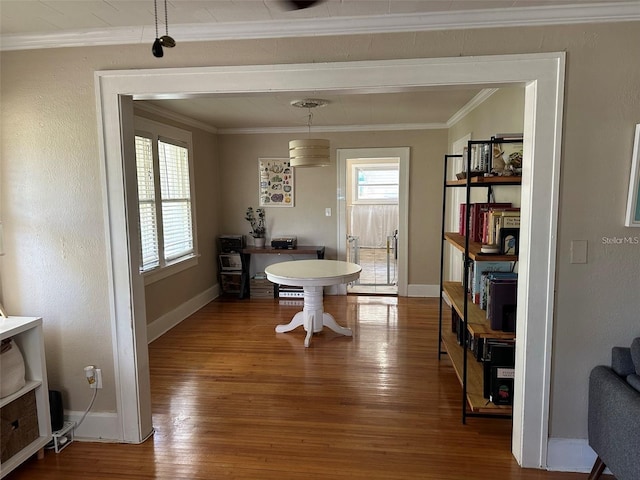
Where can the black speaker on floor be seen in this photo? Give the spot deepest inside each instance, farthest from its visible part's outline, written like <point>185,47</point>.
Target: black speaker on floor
<point>56,410</point>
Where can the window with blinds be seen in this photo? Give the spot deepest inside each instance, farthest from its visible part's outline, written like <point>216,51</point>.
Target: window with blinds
<point>164,201</point>
<point>376,183</point>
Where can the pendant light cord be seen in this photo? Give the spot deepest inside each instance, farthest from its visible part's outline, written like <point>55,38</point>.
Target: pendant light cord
<point>155,11</point>
<point>166,18</point>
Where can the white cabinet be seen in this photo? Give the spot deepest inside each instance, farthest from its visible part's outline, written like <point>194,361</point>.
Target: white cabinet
<point>27,334</point>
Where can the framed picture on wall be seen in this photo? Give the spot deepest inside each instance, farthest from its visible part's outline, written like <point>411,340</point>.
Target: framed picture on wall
<point>632,218</point>
<point>275,182</point>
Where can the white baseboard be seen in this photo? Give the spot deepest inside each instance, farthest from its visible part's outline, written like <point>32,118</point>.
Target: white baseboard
<point>169,320</point>
<point>96,427</point>
<point>570,455</point>
<point>417,290</point>
<point>105,427</point>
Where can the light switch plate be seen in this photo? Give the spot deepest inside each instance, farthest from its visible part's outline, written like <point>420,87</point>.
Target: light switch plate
<point>578,251</point>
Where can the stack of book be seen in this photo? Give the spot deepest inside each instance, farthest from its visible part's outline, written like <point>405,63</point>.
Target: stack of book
<point>501,289</point>
<point>477,217</point>
<point>501,226</point>
<point>478,272</point>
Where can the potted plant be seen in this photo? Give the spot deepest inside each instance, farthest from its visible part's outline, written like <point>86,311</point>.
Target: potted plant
<point>258,229</point>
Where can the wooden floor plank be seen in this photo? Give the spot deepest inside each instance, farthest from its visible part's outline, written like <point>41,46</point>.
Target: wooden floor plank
<point>232,399</point>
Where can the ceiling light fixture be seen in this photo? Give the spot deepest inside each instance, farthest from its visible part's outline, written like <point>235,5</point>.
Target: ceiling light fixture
<point>309,152</point>
<point>165,40</point>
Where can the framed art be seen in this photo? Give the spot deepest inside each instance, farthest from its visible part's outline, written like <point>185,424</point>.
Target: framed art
<point>509,241</point>
<point>276,185</point>
<point>632,218</point>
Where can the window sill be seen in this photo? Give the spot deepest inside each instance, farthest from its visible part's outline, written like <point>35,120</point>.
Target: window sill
<point>177,266</point>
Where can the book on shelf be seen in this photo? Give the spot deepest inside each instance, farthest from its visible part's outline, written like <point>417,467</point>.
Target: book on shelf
<point>497,218</point>
<point>478,269</point>
<point>477,213</point>
<point>487,277</point>
<point>502,303</point>
<point>498,354</point>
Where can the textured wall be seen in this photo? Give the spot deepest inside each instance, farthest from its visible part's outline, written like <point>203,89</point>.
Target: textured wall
<point>52,200</point>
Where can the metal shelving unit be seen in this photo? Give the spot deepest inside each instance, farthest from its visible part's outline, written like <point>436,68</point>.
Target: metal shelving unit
<point>475,326</point>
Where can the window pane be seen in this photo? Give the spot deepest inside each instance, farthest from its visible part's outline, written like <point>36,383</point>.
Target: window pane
<point>176,220</point>
<point>149,240</point>
<point>174,171</point>
<point>377,176</point>
<point>377,192</point>
<point>146,204</point>
<point>377,183</point>
<point>176,200</point>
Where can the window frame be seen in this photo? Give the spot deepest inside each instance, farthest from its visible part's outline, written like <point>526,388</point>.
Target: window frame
<point>355,200</point>
<point>156,132</point>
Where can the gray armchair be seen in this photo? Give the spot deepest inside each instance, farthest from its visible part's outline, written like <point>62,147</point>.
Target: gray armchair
<point>614,414</point>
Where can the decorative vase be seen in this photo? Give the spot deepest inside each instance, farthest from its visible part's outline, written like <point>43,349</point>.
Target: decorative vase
<point>259,242</point>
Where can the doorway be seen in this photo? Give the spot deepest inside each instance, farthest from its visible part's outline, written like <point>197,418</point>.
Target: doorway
<point>543,75</point>
<point>373,232</point>
<point>372,194</point>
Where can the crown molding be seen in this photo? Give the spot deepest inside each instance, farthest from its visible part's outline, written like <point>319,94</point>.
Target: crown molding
<point>334,128</point>
<point>480,98</point>
<point>391,23</point>
<point>176,117</point>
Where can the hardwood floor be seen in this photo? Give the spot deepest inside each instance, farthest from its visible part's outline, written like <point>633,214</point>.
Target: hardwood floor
<point>233,399</point>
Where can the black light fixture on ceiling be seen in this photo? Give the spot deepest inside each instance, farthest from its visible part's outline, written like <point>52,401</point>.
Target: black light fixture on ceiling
<point>309,152</point>
<point>165,40</point>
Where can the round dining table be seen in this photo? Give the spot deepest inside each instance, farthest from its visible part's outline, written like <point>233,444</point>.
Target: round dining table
<point>313,276</point>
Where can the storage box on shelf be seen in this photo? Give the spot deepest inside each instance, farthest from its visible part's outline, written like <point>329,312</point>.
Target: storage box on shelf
<point>260,287</point>
<point>469,343</point>
<point>26,421</point>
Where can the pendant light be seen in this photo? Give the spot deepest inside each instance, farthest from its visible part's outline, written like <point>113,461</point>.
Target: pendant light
<point>309,152</point>
<point>165,40</point>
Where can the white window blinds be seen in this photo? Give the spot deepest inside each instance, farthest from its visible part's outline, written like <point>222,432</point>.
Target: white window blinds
<point>146,204</point>
<point>377,183</point>
<point>176,200</point>
<point>164,200</point>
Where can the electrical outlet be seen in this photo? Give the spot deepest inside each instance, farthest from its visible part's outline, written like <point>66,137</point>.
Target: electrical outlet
<point>98,379</point>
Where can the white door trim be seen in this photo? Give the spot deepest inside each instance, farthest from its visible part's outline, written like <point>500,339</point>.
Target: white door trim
<point>543,75</point>
<point>403,153</point>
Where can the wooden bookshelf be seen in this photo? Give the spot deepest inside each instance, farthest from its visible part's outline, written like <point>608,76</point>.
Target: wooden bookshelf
<point>477,322</point>
<point>475,378</point>
<point>486,181</point>
<point>475,254</point>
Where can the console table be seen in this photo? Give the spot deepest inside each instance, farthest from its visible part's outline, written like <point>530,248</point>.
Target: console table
<point>246,253</point>
<point>313,276</point>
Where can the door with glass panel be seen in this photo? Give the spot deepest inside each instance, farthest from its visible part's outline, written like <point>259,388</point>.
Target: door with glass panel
<point>372,223</point>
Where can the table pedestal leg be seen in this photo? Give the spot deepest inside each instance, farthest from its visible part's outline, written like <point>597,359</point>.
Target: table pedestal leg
<point>313,316</point>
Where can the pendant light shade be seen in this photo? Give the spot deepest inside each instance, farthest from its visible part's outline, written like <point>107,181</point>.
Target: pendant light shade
<point>309,152</point>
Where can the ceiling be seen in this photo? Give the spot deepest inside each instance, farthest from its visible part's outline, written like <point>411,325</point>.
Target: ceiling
<point>28,24</point>
<point>50,16</point>
<point>345,112</point>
